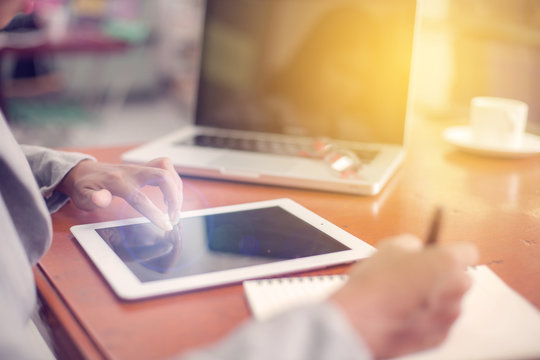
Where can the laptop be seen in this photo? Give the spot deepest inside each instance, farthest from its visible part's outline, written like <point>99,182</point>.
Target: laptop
<point>300,93</point>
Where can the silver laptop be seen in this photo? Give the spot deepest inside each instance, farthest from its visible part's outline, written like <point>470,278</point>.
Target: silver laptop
<point>302,93</point>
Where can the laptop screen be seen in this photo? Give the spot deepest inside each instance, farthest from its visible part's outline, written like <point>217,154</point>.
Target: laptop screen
<point>332,68</point>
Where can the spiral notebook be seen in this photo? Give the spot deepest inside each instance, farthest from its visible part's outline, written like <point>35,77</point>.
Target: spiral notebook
<point>496,321</point>
<point>268,297</point>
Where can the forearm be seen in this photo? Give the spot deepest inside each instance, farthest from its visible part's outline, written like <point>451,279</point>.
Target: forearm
<point>312,332</point>
<point>49,168</point>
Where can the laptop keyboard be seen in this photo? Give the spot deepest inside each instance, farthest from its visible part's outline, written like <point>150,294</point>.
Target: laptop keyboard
<point>264,146</point>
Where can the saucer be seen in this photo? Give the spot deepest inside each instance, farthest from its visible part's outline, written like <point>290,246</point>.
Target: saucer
<point>461,137</point>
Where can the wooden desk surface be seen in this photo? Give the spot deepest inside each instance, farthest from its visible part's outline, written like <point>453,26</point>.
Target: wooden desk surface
<point>494,203</point>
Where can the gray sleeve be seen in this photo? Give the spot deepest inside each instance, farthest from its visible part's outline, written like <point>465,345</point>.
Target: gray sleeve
<point>314,332</point>
<point>49,168</point>
<point>16,342</point>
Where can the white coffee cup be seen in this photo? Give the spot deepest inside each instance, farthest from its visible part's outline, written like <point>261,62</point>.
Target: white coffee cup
<point>498,122</point>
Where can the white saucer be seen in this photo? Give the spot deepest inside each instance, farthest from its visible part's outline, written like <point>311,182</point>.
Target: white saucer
<point>461,137</point>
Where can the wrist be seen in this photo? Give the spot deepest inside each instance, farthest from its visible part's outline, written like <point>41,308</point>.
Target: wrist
<point>67,184</point>
<point>363,308</point>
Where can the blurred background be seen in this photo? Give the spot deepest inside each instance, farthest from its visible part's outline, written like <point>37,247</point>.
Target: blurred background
<point>99,72</point>
<point>478,48</point>
<point>82,73</point>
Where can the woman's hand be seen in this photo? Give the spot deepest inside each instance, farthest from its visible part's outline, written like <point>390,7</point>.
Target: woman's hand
<point>406,298</point>
<point>92,185</point>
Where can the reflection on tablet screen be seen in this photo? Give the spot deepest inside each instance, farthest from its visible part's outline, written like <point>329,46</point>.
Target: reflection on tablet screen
<point>210,243</point>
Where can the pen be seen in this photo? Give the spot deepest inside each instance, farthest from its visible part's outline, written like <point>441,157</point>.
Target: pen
<point>433,233</point>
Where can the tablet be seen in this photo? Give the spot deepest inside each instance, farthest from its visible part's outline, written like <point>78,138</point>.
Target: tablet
<point>214,247</point>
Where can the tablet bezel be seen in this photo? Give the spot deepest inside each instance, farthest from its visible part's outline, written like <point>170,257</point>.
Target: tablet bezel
<point>127,286</point>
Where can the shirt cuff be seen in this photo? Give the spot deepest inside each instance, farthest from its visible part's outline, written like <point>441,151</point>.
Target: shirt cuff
<point>312,332</point>
<point>55,199</point>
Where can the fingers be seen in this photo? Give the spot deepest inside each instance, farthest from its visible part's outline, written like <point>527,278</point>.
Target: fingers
<point>429,329</point>
<point>171,186</point>
<point>101,198</point>
<point>92,185</point>
<point>161,173</point>
<point>452,282</point>
<point>465,253</point>
<point>405,242</point>
<point>406,297</point>
<point>139,201</point>
<point>96,191</point>
<point>450,290</point>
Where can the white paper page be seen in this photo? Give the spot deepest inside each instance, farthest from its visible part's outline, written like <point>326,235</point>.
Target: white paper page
<point>496,322</point>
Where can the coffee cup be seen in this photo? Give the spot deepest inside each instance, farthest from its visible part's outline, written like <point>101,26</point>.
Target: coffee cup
<point>498,122</point>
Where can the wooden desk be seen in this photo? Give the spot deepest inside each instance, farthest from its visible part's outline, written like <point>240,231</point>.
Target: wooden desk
<point>492,202</point>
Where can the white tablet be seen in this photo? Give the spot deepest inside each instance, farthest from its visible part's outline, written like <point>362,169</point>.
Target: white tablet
<point>216,246</point>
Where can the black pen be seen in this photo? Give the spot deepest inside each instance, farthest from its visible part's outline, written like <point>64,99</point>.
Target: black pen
<point>433,233</point>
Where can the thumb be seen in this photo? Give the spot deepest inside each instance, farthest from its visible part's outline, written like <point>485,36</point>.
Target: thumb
<point>101,198</point>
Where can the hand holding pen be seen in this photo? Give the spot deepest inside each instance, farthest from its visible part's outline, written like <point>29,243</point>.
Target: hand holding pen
<point>406,297</point>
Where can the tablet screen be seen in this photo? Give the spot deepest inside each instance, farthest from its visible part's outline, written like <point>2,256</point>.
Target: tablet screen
<point>210,243</point>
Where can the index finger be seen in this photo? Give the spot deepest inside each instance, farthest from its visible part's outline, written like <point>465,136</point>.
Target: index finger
<point>403,242</point>
<point>170,185</point>
<point>465,253</point>
<point>139,201</point>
